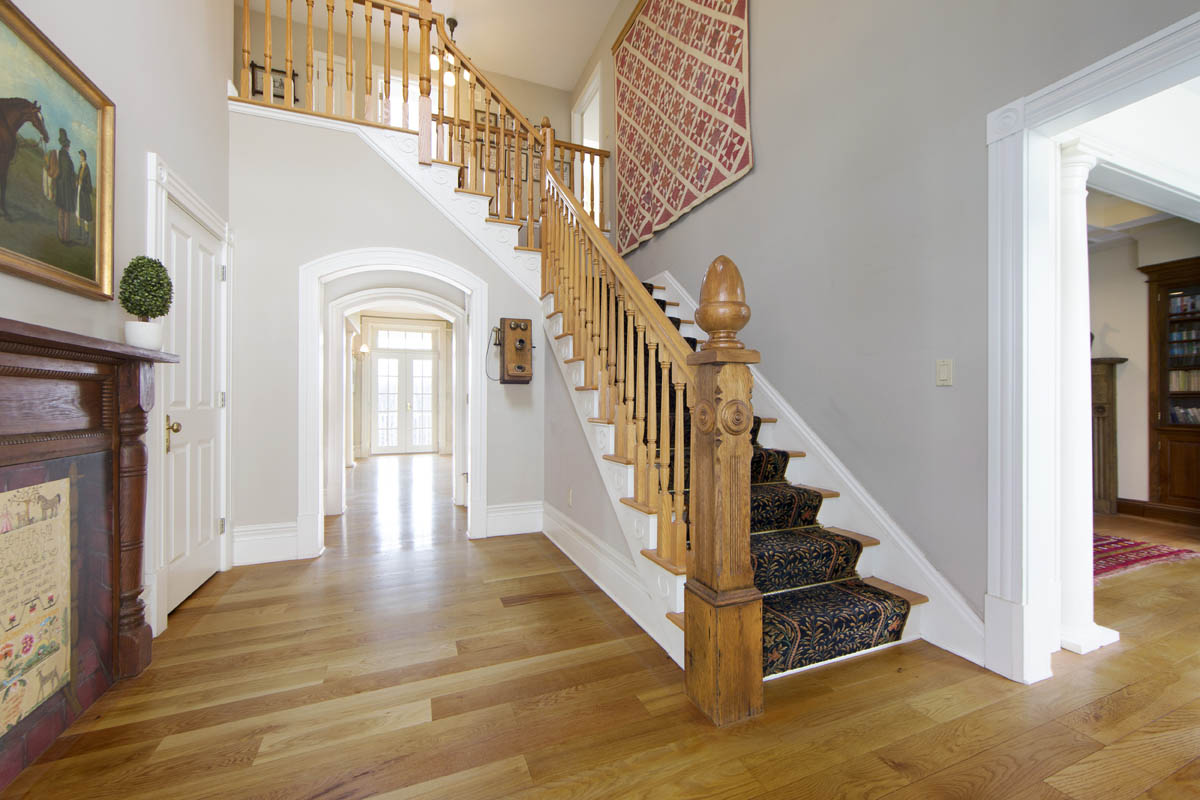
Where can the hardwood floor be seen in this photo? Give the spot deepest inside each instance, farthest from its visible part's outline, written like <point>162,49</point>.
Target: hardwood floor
<point>1148,530</point>
<point>410,663</point>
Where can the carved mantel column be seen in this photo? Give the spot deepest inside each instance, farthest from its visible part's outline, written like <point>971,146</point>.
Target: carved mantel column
<point>135,398</point>
<point>723,609</point>
<point>1079,632</point>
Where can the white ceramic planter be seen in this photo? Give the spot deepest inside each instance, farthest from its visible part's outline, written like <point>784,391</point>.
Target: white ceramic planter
<point>148,335</point>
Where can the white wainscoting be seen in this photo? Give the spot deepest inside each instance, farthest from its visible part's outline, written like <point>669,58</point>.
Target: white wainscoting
<point>262,544</point>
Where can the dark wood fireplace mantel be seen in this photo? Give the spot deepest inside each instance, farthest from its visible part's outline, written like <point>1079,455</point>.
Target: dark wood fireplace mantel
<point>77,405</point>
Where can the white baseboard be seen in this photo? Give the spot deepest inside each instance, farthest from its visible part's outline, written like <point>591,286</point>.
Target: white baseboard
<point>507,519</point>
<point>262,544</point>
<point>615,576</point>
<point>947,621</point>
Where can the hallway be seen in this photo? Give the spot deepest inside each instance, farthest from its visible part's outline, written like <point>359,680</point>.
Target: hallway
<point>411,662</point>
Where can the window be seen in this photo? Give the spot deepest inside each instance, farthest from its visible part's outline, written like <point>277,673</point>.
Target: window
<point>404,340</point>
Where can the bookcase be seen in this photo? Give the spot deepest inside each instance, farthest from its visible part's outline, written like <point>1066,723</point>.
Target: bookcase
<point>1174,375</point>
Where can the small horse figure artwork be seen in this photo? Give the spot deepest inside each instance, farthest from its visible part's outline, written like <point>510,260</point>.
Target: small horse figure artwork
<point>14,113</point>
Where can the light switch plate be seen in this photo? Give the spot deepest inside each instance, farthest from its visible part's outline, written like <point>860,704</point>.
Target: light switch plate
<point>944,372</point>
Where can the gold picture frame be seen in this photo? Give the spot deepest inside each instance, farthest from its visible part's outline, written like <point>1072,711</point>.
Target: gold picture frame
<point>58,233</point>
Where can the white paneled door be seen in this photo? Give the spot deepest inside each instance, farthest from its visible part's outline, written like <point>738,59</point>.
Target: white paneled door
<point>191,400</point>
<point>404,402</point>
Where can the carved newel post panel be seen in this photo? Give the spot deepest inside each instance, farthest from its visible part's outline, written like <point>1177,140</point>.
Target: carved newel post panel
<point>723,609</point>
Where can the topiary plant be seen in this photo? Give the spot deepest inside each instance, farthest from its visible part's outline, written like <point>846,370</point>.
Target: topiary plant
<point>146,290</point>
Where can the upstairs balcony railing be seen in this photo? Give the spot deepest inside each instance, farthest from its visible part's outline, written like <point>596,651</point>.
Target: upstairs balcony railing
<point>397,66</point>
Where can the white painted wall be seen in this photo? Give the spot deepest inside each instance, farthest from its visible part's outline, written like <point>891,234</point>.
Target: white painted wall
<point>1119,321</point>
<point>862,231</point>
<point>163,66</point>
<point>299,193</point>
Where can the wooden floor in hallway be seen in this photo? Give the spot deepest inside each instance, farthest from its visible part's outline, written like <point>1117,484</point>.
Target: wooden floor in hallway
<point>409,662</point>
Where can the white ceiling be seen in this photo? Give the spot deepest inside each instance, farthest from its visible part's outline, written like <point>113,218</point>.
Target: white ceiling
<point>1148,151</point>
<point>542,41</point>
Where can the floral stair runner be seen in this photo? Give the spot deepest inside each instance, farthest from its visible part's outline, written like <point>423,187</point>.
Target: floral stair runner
<point>815,606</point>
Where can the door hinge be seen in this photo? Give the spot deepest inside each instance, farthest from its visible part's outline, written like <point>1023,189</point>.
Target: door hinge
<point>224,273</point>
<point>221,526</point>
<point>220,400</point>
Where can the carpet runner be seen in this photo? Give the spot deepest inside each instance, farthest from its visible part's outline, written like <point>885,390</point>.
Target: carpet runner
<point>815,606</point>
<point>1112,554</point>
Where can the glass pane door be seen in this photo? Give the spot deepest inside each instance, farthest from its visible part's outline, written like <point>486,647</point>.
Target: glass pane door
<point>420,403</point>
<point>386,401</point>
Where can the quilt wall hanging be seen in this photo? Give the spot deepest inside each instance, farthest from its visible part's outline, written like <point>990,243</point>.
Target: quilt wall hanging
<point>683,110</point>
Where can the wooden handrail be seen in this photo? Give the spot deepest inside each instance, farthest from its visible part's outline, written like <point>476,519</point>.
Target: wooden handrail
<point>656,319</point>
<point>631,353</point>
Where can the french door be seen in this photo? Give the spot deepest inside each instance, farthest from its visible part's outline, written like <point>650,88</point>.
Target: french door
<point>403,402</point>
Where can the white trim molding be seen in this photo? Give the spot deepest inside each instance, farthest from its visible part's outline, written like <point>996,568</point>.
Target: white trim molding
<point>164,186</point>
<point>437,183</point>
<point>1025,322</point>
<point>261,544</point>
<point>615,576</point>
<point>947,621</point>
<point>508,519</point>
<point>313,277</point>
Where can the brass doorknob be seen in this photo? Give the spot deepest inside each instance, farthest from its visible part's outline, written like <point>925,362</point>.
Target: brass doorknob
<point>172,427</point>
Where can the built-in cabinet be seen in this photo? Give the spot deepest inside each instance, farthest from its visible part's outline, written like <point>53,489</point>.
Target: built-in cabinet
<point>1175,383</point>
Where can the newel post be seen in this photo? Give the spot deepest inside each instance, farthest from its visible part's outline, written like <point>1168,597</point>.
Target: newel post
<point>723,609</point>
<point>424,104</point>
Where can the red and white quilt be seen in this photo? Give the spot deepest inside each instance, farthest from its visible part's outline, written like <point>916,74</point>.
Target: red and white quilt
<point>683,111</point>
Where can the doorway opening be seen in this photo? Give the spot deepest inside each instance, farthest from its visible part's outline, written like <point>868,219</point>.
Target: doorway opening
<point>1043,155</point>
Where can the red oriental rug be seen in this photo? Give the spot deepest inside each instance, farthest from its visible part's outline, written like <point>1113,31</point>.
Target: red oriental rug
<point>683,110</point>
<point>1112,554</point>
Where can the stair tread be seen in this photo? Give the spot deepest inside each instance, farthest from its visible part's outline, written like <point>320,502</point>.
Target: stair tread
<point>676,617</point>
<point>616,459</point>
<point>552,313</point>
<point>781,506</point>
<point>458,164</point>
<point>573,360</point>
<point>586,388</point>
<point>600,420</point>
<point>797,454</point>
<point>633,503</point>
<point>826,493</point>
<point>861,538</point>
<point>525,249</point>
<point>666,564</point>
<point>817,623</point>
<point>562,335</point>
<point>914,598</point>
<point>473,191</point>
<point>789,559</point>
<point>499,221</point>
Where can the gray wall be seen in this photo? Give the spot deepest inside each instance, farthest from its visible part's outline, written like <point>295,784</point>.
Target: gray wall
<point>862,231</point>
<point>299,193</point>
<point>163,66</point>
<point>571,468</point>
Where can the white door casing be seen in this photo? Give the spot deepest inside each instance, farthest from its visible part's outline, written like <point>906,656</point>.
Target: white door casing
<point>317,318</point>
<point>183,542</point>
<point>1027,467</point>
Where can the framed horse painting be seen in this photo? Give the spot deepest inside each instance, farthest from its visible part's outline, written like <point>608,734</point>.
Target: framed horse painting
<point>56,165</point>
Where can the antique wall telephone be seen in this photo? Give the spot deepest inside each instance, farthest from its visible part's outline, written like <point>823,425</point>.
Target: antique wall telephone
<point>514,339</point>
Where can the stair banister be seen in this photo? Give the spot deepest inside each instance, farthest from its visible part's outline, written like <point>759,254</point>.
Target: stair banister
<point>722,606</point>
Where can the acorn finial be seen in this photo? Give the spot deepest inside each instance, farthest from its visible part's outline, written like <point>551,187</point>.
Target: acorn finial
<point>723,310</point>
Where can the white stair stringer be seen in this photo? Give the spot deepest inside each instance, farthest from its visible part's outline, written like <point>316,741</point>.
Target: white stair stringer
<point>437,182</point>
<point>946,620</point>
<point>664,589</point>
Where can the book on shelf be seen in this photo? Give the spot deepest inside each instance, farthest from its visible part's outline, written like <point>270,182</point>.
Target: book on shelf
<point>1183,380</point>
<point>1185,415</point>
<point>1184,303</point>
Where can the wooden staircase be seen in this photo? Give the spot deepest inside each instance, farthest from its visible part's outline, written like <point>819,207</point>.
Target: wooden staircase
<point>679,411</point>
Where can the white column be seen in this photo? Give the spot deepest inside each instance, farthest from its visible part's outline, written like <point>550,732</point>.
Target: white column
<point>1079,632</point>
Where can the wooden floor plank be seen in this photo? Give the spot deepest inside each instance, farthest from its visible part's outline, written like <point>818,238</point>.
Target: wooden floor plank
<point>410,662</point>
